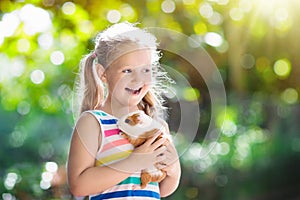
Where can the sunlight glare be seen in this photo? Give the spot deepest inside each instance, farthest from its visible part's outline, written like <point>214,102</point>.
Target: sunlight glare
<point>276,10</point>
<point>188,2</point>
<point>35,19</point>
<point>9,24</point>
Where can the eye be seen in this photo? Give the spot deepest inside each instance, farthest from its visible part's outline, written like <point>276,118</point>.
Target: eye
<point>146,70</point>
<point>127,71</point>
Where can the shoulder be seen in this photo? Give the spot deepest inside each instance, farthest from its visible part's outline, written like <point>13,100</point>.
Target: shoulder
<point>87,122</point>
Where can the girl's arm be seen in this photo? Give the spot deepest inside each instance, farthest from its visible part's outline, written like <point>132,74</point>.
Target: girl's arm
<point>171,165</point>
<point>84,178</point>
<point>171,182</point>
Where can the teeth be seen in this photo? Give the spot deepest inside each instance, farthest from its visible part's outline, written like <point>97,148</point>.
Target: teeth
<point>134,91</point>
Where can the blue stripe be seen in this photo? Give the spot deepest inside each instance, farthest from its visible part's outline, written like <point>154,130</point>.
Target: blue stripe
<point>108,121</point>
<point>127,193</point>
<point>99,113</point>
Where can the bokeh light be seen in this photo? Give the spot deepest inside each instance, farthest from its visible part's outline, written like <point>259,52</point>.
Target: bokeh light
<point>11,179</point>
<point>206,10</point>
<point>248,61</point>
<point>69,8</point>
<point>191,94</point>
<point>23,108</point>
<point>17,138</point>
<point>57,57</point>
<point>9,24</point>
<point>200,28</point>
<point>45,40</point>
<point>35,19</point>
<point>113,16</point>
<point>213,39</point>
<point>51,167</point>
<point>290,96</point>
<point>282,68</point>
<point>168,6</point>
<point>23,45</point>
<point>37,76</point>
<point>8,196</point>
<point>216,19</point>
<point>236,14</point>
<point>229,128</point>
<point>128,12</point>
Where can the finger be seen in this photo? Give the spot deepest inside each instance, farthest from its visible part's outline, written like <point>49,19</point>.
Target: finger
<point>160,159</point>
<point>160,165</point>
<point>159,143</point>
<point>153,138</point>
<point>160,151</point>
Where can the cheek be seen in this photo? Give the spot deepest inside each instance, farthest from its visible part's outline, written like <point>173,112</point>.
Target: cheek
<point>116,82</point>
<point>146,88</point>
<point>147,78</point>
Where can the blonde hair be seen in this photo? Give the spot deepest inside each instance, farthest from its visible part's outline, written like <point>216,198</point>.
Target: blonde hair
<point>110,44</point>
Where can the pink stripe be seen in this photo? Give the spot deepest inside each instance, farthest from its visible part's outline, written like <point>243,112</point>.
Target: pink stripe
<point>115,144</point>
<point>111,132</point>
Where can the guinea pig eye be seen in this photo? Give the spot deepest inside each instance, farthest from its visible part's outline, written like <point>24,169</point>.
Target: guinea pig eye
<point>127,121</point>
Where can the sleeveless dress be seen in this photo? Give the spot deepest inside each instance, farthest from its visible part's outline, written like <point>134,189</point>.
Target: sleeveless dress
<point>114,148</point>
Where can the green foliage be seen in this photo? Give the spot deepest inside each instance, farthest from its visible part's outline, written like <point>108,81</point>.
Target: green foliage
<point>257,152</point>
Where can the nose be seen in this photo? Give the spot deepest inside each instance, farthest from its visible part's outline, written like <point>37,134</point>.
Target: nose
<point>140,76</point>
<point>137,77</point>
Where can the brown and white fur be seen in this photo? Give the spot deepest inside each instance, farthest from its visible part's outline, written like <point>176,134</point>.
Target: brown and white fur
<point>151,174</point>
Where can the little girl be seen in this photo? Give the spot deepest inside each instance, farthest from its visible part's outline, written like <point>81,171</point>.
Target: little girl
<point>120,76</point>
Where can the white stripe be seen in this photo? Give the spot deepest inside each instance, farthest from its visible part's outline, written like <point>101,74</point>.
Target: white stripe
<point>109,126</point>
<point>113,138</point>
<point>119,188</point>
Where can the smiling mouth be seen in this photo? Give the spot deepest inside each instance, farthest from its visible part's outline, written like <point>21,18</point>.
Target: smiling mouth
<point>133,91</point>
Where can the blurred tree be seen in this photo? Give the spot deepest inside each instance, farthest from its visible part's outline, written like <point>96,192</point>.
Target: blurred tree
<point>254,44</point>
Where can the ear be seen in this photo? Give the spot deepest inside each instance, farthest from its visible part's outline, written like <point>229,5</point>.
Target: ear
<point>101,72</point>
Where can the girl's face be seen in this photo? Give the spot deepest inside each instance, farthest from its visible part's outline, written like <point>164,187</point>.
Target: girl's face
<point>129,78</point>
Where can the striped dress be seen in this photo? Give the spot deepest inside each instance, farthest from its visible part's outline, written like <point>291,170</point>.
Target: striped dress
<point>115,148</point>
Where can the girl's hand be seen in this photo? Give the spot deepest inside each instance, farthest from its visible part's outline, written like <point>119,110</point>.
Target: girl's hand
<point>171,158</point>
<point>149,153</point>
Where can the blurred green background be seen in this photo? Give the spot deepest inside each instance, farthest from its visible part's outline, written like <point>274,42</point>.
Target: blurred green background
<point>255,45</point>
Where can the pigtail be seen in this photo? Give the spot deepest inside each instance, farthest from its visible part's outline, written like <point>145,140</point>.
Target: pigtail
<point>93,91</point>
<point>151,105</point>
